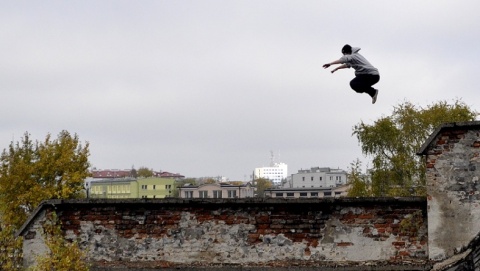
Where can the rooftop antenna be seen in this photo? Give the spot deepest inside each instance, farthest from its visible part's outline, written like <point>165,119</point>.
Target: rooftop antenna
<point>272,159</point>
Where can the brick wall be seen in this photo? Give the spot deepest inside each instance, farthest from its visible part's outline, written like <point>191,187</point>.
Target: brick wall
<point>241,232</point>
<point>453,170</point>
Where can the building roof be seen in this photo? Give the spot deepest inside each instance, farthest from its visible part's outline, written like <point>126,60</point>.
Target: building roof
<point>165,174</point>
<point>112,180</point>
<point>468,125</point>
<point>111,173</point>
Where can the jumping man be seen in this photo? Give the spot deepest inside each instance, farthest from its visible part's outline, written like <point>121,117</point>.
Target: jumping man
<point>366,75</point>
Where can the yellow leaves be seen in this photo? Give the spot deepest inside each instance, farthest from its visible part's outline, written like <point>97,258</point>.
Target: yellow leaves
<point>33,172</point>
<point>63,254</point>
<point>10,249</point>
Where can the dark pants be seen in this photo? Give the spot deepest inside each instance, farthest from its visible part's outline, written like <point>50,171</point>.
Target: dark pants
<point>362,83</point>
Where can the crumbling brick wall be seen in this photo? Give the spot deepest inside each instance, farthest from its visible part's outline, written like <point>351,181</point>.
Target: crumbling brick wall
<point>453,185</point>
<point>247,232</point>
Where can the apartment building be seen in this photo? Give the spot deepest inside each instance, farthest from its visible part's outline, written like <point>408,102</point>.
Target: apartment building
<point>131,188</point>
<point>276,172</point>
<point>317,177</point>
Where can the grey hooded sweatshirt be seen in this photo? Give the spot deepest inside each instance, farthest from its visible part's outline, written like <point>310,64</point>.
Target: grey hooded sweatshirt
<point>359,63</point>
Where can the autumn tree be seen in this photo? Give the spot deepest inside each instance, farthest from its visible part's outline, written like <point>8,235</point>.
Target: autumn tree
<point>180,183</point>
<point>262,184</point>
<point>31,172</point>
<point>393,141</point>
<point>209,181</point>
<point>358,181</point>
<point>144,172</point>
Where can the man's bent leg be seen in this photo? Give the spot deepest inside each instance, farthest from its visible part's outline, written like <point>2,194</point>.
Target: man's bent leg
<point>362,83</point>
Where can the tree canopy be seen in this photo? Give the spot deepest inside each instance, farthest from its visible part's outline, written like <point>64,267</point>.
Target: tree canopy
<point>262,184</point>
<point>144,172</point>
<point>32,172</point>
<point>392,142</point>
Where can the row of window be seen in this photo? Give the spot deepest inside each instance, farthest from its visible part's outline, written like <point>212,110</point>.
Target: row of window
<point>216,194</point>
<point>154,187</point>
<point>337,178</point>
<point>98,189</point>
<point>110,189</point>
<point>305,194</point>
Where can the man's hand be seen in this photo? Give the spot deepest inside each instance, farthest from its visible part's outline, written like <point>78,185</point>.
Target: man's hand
<point>326,66</point>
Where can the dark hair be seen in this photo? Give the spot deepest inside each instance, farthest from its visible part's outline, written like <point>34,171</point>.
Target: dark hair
<point>347,49</point>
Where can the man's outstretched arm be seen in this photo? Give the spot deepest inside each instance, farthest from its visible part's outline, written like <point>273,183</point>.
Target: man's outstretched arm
<point>343,66</point>
<point>332,63</point>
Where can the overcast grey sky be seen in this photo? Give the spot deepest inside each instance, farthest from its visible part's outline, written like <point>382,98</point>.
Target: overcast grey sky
<point>208,88</point>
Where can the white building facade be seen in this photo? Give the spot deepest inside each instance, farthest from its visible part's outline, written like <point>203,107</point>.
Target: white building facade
<point>276,173</point>
<point>317,177</point>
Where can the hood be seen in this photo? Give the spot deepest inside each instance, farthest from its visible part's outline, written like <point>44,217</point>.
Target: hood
<point>355,50</point>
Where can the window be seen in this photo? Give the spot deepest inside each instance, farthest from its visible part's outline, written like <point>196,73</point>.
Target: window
<point>144,187</point>
<point>203,194</point>
<point>232,193</point>
<point>290,194</point>
<point>303,178</point>
<point>188,194</point>
<point>154,187</point>
<point>217,194</point>
<point>278,194</point>
<point>314,194</point>
<point>320,178</point>
<point>303,195</point>
<point>327,194</point>
<point>311,178</point>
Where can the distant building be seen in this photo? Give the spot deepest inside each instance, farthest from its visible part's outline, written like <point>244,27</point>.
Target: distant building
<point>319,192</point>
<point>276,172</point>
<point>130,173</point>
<point>317,177</point>
<point>217,190</point>
<point>131,188</point>
<point>112,173</point>
<point>165,174</point>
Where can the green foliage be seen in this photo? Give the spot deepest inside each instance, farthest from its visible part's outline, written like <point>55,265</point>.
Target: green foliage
<point>33,172</point>
<point>359,184</point>
<point>144,172</point>
<point>393,141</point>
<point>180,183</point>
<point>209,181</point>
<point>10,249</point>
<point>412,223</point>
<point>63,254</point>
<point>262,184</point>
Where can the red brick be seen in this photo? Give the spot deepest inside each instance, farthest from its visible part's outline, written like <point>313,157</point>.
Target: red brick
<point>262,219</point>
<point>366,216</point>
<point>398,244</point>
<point>344,244</point>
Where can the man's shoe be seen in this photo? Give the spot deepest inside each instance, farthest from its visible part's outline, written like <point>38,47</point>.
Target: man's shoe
<point>374,98</point>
